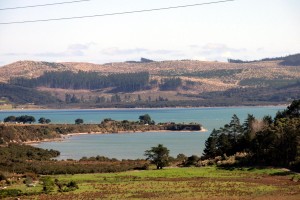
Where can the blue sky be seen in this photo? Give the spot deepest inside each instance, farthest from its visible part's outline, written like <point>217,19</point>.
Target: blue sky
<point>244,29</point>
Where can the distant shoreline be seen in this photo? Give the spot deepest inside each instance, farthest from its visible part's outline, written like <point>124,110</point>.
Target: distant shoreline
<point>141,108</point>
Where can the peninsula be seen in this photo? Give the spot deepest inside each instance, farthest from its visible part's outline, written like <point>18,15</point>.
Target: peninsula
<point>26,133</point>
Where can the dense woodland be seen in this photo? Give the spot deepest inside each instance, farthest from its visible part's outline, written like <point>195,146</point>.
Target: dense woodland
<point>274,142</point>
<point>86,80</point>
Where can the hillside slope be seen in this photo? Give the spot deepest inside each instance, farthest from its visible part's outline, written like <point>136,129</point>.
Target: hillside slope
<point>266,80</point>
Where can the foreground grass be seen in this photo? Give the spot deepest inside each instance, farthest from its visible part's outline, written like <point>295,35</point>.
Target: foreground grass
<point>181,183</point>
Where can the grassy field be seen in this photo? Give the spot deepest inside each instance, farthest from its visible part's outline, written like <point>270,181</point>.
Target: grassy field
<point>180,183</point>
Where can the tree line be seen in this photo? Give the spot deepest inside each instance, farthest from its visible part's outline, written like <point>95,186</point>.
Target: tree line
<point>86,80</point>
<point>268,141</point>
<point>26,119</point>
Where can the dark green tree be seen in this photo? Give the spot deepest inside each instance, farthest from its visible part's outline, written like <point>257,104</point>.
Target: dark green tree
<point>78,121</point>
<point>10,119</point>
<point>170,84</point>
<point>292,110</point>
<point>43,120</point>
<point>25,119</point>
<point>158,155</point>
<point>146,119</point>
<point>211,149</point>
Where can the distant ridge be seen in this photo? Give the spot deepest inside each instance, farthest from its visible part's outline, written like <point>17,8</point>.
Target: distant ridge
<point>32,69</point>
<point>290,60</point>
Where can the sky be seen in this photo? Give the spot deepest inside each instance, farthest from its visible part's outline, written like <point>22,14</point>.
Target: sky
<point>240,29</point>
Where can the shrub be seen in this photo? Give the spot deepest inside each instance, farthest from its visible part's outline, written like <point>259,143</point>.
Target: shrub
<point>10,193</point>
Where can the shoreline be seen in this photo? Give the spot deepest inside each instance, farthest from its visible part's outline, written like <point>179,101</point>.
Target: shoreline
<point>140,108</point>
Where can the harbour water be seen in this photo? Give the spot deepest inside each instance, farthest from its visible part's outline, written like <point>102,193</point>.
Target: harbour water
<point>133,145</point>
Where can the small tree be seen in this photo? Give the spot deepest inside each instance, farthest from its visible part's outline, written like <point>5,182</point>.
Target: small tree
<point>43,120</point>
<point>10,119</point>
<point>146,119</point>
<point>78,121</point>
<point>158,155</point>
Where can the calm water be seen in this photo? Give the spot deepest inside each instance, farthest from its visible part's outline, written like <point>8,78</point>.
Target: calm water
<point>133,145</point>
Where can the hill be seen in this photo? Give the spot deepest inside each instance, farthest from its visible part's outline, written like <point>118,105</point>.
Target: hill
<point>168,83</point>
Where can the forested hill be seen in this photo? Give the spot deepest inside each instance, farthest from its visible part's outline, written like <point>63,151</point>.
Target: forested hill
<point>148,83</point>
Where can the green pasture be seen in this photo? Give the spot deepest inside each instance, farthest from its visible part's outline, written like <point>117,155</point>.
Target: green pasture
<point>180,183</point>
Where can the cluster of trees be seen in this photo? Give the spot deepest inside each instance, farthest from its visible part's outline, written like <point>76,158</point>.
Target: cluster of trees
<point>142,60</point>
<point>43,120</point>
<point>267,142</point>
<point>71,98</point>
<point>20,119</point>
<point>86,80</point>
<point>159,156</point>
<point>170,84</point>
<point>26,119</point>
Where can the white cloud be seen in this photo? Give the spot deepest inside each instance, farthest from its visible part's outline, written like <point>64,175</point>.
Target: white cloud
<point>214,51</point>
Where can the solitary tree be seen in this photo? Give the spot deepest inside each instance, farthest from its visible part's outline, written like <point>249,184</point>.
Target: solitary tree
<point>158,155</point>
<point>78,121</point>
<point>42,120</point>
<point>146,119</point>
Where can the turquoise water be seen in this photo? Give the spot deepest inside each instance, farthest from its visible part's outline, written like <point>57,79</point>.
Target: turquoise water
<point>133,145</point>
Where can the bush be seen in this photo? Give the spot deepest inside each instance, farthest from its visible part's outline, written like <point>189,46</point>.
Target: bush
<point>2,177</point>
<point>79,121</point>
<point>10,193</point>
